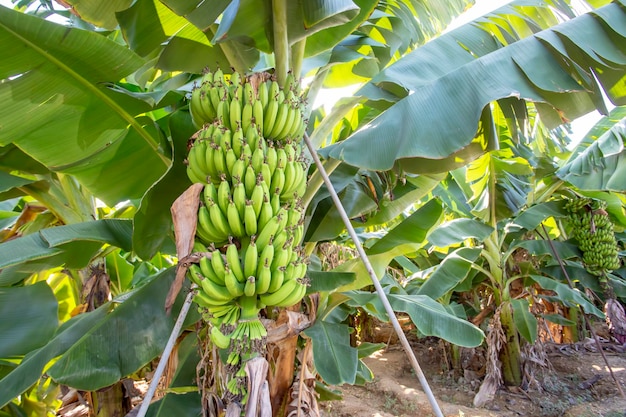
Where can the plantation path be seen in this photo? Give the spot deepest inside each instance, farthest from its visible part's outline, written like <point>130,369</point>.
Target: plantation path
<point>579,385</point>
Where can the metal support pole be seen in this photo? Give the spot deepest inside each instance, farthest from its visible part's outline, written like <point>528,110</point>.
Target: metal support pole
<point>379,289</point>
<point>166,353</point>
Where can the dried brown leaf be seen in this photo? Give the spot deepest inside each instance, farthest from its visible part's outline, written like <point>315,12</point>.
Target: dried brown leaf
<point>185,218</point>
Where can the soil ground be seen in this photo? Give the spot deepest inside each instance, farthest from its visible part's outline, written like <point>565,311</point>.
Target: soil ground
<point>571,381</point>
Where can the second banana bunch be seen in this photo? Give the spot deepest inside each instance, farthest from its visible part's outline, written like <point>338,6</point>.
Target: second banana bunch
<point>248,154</point>
<point>593,230</point>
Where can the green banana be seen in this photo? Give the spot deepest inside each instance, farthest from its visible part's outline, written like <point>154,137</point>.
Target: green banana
<point>239,170</point>
<point>208,272</point>
<point>246,153</point>
<point>271,157</point>
<point>234,263</point>
<point>263,95</point>
<point>233,286</point>
<point>257,196</point>
<point>251,258</point>
<point>282,256</point>
<point>195,109</point>
<point>288,128</point>
<point>290,178</point>
<point>267,233</point>
<point>265,214</point>
<point>249,180</point>
<point>207,110</point>
<point>281,158</point>
<point>257,114</point>
<point>219,161</point>
<point>246,114</point>
<point>195,177</point>
<point>218,220</point>
<point>267,255</point>
<point>223,194</point>
<point>281,119</point>
<point>290,82</point>
<point>258,157</point>
<point>250,219</point>
<point>278,181</point>
<point>205,228</point>
<point>264,279</point>
<point>279,240</point>
<point>214,291</point>
<point>275,202</point>
<point>234,221</point>
<point>249,288</point>
<point>278,279</point>
<point>214,94</point>
<point>217,262</point>
<point>230,158</point>
<point>209,193</point>
<point>234,112</point>
<point>209,156</point>
<point>279,296</point>
<point>237,140</point>
<point>195,274</point>
<point>270,116</point>
<point>198,247</point>
<point>239,198</point>
<point>218,338</point>
<point>223,112</point>
<point>266,173</point>
<point>204,300</point>
<point>294,297</point>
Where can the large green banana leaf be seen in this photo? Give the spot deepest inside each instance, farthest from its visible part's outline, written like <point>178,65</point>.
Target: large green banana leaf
<point>430,317</point>
<point>96,349</point>
<point>26,326</point>
<point>599,163</point>
<point>455,268</point>
<point>234,31</point>
<point>153,220</point>
<point>406,237</point>
<point>452,78</point>
<point>31,367</point>
<point>335,360</point>
<point>175,402</point>
<point>70,245</point>
<point>457,230</point>
<point>100,13</point>
<point>58,110</point>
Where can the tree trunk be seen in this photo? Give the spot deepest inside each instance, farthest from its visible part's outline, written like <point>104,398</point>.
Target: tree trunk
<point>571,334</point>
<point>111,401</point>
<point>510,355</point>
<point>282,348</point>
<point>282,357</point>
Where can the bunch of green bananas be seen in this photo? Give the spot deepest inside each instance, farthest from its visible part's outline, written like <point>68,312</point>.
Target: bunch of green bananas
<point>593,229</point>
<point>248,154</point>
<point>236,102</point>
<point>218,155</point>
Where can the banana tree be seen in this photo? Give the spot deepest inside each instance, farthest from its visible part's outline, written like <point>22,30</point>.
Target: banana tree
<point>123,120</point>
<point>500,210</point>
<point>120,129</point>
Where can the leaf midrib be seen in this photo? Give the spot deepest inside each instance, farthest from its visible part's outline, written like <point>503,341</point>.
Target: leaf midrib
<point>95,91</point>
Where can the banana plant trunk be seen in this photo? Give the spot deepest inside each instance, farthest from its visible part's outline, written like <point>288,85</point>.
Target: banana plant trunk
<point>572,334</point>
<point>111,401</point>
<point>510,355</point>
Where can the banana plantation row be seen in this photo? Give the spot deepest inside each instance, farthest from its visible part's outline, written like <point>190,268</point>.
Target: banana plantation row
<point>150,149</point>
